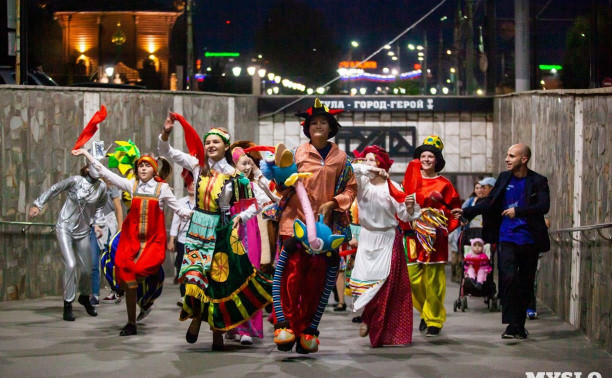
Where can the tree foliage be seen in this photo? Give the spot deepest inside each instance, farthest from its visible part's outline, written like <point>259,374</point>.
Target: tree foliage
<point>576,65</point>
<point>296,43</point>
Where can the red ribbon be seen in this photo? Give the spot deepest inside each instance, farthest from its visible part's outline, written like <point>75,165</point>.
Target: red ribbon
<point>192,139</point>
<point>348,252</point>
<point>260,149</point>
<point>91,128</point>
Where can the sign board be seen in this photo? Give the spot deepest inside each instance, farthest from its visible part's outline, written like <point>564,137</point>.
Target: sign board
<point>607,82</point>
<point>369,64</point>
<point>269,104</point>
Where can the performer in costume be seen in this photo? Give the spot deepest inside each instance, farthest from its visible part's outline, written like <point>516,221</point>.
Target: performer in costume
<point>263,188</point>
<point>222,286</point>
<point>83,207</point>
<point>426,238</point>
<point>306,279</point>
<point>150,288</point>
<point>142,247</point>
<point>250,234</point>
<point>379,278</point>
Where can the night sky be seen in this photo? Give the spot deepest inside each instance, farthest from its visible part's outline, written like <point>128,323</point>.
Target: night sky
<point>372,23</point>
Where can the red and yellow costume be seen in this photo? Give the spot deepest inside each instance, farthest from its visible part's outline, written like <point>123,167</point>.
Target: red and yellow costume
<point>426,240</point>
<point>142,249</point>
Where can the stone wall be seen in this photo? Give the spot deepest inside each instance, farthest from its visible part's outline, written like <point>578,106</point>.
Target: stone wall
<point>569,133</point>
<point>38,127</point>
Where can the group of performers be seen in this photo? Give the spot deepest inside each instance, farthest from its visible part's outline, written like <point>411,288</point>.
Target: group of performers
<point>238,191</point>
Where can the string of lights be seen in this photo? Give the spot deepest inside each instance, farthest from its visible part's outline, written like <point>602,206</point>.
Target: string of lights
<point>381,48</point>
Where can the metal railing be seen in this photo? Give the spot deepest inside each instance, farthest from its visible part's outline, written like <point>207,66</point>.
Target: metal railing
<point>27,225</point>
<point>570,231</point>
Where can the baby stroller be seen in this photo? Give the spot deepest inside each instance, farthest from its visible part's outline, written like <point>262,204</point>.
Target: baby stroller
<point>488,290</point>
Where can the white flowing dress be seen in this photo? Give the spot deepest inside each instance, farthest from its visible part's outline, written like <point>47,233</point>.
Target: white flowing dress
<point>377,216</point>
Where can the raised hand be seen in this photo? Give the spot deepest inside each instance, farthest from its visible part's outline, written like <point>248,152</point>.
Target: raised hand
<point>169,123</point>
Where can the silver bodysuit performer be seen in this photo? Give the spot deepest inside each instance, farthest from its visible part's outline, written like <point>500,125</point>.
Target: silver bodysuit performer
<point>83,207</point>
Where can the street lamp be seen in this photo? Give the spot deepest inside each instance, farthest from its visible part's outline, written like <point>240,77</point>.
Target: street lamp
<point>411,46</point>
<point>354,43</point>
<point>387,47</point>
<point>320,90</point>
<point>433,90</point>
<point>362,90</point>
<point>261,72</point>
<point>277,79</point>
<point>271,76</point>
<point>236,71</point>
<point>251,70</point>
<point>275,90</point>
<point>310,91</point>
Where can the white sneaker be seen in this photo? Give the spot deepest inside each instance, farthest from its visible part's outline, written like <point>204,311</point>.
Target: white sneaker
<point>246,340</point>
<point>111,298</point>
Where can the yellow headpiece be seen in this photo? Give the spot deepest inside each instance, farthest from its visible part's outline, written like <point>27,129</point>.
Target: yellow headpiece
<point>434,140</point>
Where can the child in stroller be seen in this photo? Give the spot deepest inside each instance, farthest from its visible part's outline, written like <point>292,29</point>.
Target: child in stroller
<point>477,264</point>
<point>477,280</point>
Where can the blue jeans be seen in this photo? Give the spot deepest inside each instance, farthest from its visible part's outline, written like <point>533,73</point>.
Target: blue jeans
<point>95,263</point>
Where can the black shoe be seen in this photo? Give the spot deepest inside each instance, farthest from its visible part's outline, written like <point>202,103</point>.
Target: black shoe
<point>357,319</point>
<point>521,334</point>
<point>84,300</point>
<point>129,330</point>
<point>68,316</point>
<point>422,325</point>
<point>144,312</point>
<point>433,331</point>
<point>340,307</point>
<point>509,333</point>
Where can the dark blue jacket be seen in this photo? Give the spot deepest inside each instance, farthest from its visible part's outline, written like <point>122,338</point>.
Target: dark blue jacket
<point>537,194</point>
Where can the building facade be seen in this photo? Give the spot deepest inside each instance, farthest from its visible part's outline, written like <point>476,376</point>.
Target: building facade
<point>127,41</point>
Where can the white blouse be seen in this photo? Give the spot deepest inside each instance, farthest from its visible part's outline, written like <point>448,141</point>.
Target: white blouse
<point>191,163</point>
<point>377,209</point>
<point>166,197</point>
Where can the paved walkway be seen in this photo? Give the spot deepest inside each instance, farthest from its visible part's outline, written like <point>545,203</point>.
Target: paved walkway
<point>34,341</point>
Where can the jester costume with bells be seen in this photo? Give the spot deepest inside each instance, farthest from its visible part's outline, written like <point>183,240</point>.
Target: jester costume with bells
<point>426,238</point>
<point>308,263</point>
<point>221,285</point>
